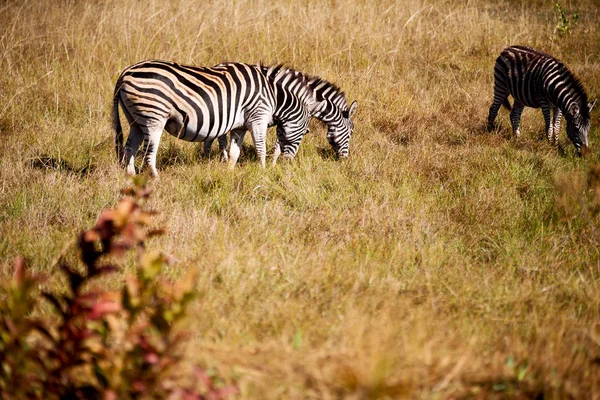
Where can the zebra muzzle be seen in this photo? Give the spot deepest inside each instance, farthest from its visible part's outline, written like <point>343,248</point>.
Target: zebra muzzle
<point>584,152</point>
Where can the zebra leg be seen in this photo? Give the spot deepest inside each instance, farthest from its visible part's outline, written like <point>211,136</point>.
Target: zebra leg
<point>556,122</point>
<point>135,139</point>
<point>206,146</point>
<point>500,98</point>
<point>276,152</point>
<point>515,117</point>
<point>237,137</point>
<point>223,147</point>
<point>259,134</point>
<point>549,126</point>
<point>494,108</point>
<point>153,135</point>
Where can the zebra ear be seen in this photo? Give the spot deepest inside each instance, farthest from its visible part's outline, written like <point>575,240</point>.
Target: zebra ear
<point>591,105</point>
<point>574,109</point>
<point>352,109</point>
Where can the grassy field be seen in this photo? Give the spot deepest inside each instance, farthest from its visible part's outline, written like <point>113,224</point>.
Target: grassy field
<point>438,261</point>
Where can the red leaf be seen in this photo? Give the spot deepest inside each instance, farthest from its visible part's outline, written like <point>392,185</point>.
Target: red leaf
<point>90,236</point>
<point>151,358</point>
<point>109,395</point>
<point>203,376</point>
<point>139,386</point>
<point>107,269</point>
<point>103,307</point>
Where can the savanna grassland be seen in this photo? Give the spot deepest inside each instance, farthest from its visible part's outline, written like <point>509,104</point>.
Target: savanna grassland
<point>438,261</point>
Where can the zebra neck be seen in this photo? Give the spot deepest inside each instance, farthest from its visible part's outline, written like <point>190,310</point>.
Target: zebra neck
<point>327,114</point>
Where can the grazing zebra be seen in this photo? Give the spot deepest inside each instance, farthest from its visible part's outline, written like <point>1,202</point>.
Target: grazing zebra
<point>332,110</point>
<point>198,104</point>
<point>538,80</point>
<point>294,98</point>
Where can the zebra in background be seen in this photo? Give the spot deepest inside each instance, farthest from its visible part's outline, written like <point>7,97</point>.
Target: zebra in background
<point>332,110</point>
<point>538,80</point>
<point>198,104</point>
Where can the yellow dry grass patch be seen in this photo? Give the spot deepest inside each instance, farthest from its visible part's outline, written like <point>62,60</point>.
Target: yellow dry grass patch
<point>439,261</point>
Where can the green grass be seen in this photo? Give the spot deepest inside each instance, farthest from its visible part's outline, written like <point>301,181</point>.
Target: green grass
<point>439,261</point>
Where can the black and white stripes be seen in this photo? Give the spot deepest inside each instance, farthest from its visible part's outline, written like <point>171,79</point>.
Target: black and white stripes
<point>538,80</point>
<point>199,104</point>
<point>331,108</point>
<point>335,113</point>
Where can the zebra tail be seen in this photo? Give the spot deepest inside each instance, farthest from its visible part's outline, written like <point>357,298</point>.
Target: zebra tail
<point>507,104</point>
<point>117,127</point>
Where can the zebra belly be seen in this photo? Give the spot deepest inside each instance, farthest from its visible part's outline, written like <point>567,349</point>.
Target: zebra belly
<point>535,102</point>
<point>184,128</point>
<point>529,103</point>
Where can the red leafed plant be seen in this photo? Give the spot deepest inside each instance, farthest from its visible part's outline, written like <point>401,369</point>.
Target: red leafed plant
<point>100,344</point>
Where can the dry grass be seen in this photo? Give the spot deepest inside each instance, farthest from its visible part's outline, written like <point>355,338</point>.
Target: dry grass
<point>437,262</point>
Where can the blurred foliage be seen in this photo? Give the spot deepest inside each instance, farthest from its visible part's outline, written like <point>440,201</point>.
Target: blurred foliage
<point>97,343</point>
<point>566,22</point>
<point>578,202</point>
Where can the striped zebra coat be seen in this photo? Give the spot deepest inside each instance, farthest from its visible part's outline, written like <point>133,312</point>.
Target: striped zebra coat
<point>538,80</point>
<point>332,109</point>
<point>199,104</point>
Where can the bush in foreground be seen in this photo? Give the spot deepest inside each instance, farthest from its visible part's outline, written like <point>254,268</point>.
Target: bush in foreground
<point>97,343</point>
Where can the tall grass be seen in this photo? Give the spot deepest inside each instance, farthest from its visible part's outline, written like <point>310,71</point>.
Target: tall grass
<point>438,261</point>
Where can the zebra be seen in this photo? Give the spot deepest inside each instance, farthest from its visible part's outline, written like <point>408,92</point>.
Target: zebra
<point>536,79</point>
<point>201,103</point>
<point>332,110</point>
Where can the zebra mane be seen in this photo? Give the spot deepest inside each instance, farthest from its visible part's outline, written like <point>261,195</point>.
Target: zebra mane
<point>326,90</point>
<point>581,93</point>
<point>323,90</point>
<point>280,71</point>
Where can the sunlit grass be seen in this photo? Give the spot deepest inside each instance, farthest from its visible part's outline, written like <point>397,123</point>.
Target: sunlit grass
<point>438,261</point>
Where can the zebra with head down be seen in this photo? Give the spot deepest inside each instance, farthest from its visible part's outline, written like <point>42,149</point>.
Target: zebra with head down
<point>201,104</point>
<point>538,80</point>
<point>332,109</point>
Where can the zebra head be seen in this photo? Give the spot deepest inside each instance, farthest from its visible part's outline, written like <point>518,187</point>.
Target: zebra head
<point>291,132</point>
<point>333,110</point>
<point>578,126</point>
<point>295,104</point>
<point>340,129</point>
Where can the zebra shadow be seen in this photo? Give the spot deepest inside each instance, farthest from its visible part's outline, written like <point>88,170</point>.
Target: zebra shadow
<point>51,163</point>
<point>530,141</point>
<point>172,155</point>
<point>499,130</point>
<point>326,153</point>
<point>175,154</point>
